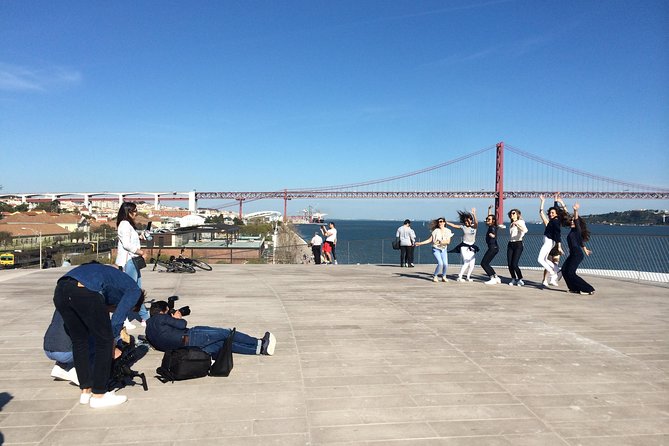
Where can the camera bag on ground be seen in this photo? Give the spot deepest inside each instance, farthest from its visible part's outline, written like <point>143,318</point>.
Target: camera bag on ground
<point>122,373</point>
<point>223,365</point>
<point>184,363</point>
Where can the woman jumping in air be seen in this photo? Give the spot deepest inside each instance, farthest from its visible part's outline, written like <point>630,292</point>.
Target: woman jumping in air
<point>440,238</point>
<point>493,249</point>
<point>517,230</point>
<point>551,238</point>
<point>467,248</point>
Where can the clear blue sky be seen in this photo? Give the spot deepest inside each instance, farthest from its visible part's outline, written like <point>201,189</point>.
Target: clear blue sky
<point>266,95</point>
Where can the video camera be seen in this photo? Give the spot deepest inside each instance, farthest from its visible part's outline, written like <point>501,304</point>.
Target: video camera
<point>185,311</point>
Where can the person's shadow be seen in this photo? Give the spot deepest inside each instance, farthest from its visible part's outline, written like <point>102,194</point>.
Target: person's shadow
<point>5,398</point>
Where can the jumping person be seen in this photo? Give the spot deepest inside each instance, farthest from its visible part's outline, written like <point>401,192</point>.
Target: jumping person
<point>551,240</point>
<point>440,238</point>
<point>578,235</point>
<point>467,247</point>
<point>517,230</point>
<point>493,249</point>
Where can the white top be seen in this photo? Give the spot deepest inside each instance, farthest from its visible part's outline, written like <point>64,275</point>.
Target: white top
<point>406,235</point>
<point>468,235</point>
<point>441,238</point>
<point>128,243</point>
<point>317,240</point>
<point>331,235</point>
<point>517,230</point>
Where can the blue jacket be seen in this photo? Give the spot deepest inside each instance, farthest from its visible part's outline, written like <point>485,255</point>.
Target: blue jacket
<point>116,287</point>
<point>165,332</point>
<point>56,338</point>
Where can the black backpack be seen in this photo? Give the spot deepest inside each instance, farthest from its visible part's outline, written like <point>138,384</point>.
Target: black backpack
<point>223,365</point>
<point>184,363</point>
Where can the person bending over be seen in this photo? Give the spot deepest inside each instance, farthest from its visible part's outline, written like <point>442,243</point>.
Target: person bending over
<point>166,330</point>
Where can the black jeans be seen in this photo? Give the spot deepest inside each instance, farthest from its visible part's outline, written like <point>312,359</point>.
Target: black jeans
<point>487,258</point>
<point>513,252</point>
<point>406,255</point>
<point>316,250</point>
<point>86,315</point>
<point>574,282</point>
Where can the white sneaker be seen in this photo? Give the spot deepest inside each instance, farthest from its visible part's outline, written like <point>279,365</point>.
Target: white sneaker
<point>498,279</point>
<point>492,281</point>
<point>520,282</point>
<point>553,281</point>
<point>469,279</point>
<point>85,398</point>
<point>335,262</point>
<point>459,279</point>
<point>444,279</point>
<point>60,373</point>
<point>545,283</point>
<point>109,399</point>
<point>435,279</point>
<point>72,376</point>
<point>513,282</point>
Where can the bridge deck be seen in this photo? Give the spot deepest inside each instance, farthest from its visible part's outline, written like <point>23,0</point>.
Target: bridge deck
<point>367,355</point>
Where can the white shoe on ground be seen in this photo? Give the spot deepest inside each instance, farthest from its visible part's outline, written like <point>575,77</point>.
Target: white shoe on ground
<point>513,282</point>
<point>498,279</point>
<point>459,279</point>
<point>545,283</point>
<point>109,399</point>
<point>520,282</point>
<point>85,398</point>
<point>444,279</point>
<point>469,279</point>
<point>60,373</point>
<point>492,281</point>
<point>72,374</point>
<point>435,279</point>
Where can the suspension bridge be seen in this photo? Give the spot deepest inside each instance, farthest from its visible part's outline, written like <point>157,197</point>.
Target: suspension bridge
<point>517,174</point>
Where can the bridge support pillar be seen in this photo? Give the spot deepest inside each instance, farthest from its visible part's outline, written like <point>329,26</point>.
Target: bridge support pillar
<point>156,201</point>
<point>499,184</point>
<point>241,214</point>
<point>192,202</point>
<point>285,205</point>
<point>87,201</point>
<point>121,199</point>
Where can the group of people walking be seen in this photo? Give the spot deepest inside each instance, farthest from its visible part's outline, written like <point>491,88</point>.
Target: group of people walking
<point>556,217</point>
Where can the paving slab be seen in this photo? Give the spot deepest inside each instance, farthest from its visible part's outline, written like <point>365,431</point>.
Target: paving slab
<point>366,355</point>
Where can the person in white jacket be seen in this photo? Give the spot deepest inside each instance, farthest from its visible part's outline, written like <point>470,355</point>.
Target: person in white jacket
<point>517,230</point>
<point>129,246</point>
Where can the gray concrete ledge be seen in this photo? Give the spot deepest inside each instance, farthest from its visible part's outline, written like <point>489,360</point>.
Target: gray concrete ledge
<point>367,355</point>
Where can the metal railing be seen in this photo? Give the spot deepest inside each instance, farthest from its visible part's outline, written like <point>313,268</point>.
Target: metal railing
<point>632,256</point>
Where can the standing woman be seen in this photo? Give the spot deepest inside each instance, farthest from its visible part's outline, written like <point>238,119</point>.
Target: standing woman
<point>128,247</point>
<point>576,239</point>
<point>467,248</point>
<point>551,239</point>
<point>493,249</point>
<point>440,238</point>
<point>517,230</point>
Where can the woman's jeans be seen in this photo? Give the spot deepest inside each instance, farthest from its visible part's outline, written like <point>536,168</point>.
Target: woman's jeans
<point>551,267</point>
<point>211,340</point>
<point>487,258</point>
<point>468,260</point>
<point>131,270</point>
<point>442,261</point>
<point>574,282</point>
<point>513,252</point>
<point>85,315</point>
<point>64,359</point>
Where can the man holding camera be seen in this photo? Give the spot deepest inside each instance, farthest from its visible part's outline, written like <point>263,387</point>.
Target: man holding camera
<point>166,330</point>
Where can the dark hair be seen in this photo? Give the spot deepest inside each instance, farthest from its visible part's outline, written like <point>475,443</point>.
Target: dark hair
<point>407,222</point>
<point>435,223</point>
<point>158,307</point>
<point>124,213</point>
<point>464,215</point>
<point>332,223</point>
<point>585,232</point>
<point>494,219</point>
<point>516,211</point>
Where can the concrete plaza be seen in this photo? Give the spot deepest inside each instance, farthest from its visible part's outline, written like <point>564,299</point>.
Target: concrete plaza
<point>366,355</point>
